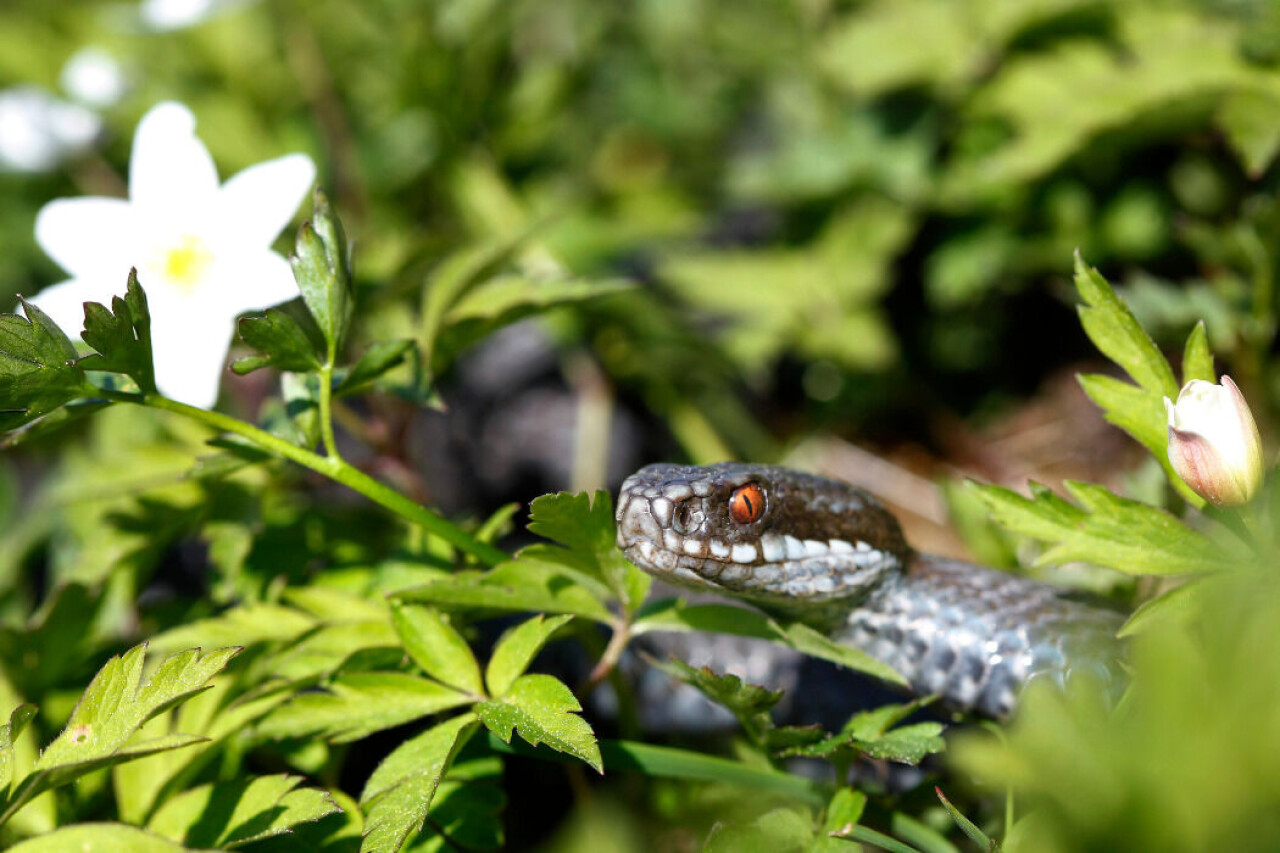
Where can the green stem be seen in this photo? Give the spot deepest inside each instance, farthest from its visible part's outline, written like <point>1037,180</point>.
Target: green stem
<point>331,466</point>
<point>326,411</point>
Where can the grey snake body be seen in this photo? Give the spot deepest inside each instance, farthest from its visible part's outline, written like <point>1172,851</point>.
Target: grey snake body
<point>822,551</point>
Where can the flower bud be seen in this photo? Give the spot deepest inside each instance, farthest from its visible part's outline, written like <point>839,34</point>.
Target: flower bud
<point>1213,442</point>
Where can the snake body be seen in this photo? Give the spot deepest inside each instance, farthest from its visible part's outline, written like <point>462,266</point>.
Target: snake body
<point>824,552</point>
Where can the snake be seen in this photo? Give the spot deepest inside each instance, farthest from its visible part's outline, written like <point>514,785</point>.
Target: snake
<point>818,550</point>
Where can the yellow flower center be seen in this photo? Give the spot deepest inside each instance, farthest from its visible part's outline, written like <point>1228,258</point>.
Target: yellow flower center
<point>184,265</point>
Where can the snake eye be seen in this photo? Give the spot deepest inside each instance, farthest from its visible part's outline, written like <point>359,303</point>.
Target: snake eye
<point>746,504</point>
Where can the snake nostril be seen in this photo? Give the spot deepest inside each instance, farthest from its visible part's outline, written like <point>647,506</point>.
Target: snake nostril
<point>688,517</point>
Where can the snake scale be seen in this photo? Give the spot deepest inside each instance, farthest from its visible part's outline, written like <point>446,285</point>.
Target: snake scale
<point>819,550</point>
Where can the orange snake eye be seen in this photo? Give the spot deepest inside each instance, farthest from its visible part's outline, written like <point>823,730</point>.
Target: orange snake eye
<point>746,504</point>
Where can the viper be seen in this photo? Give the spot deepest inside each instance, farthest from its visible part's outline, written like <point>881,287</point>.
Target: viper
<point>821,551</point>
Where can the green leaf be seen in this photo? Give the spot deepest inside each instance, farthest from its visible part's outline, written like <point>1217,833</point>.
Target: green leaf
<point>38,371</point>
<point>585,527</point>
<point>1248,120</point>
<point>780,829</point>
<point>543,710</point>
<point>234,813</point>
<point>1106,530</point>
<point>750,703</point>
<point>1197,358</point>
<point>968,827</point>
<point>845,809</point>
<point>322,270</point>
<point>116,704</point>
<point>244,625</point>
<point>380,357</point>
<point>9,733</point>
<point>869,725</point>
<point>1181,605</point>
<point>437,648</point>
<point>122,336</point>
<point>281,341</point>
<point>1117,334</point>
<point>401,790</point>
<point>358,704</point>
<point>516,650</point>
<point>514,586</point>
<point>98,838</point>
<point>1141,414</point>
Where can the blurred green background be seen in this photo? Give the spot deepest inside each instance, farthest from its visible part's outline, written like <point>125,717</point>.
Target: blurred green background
<point>858,212</point>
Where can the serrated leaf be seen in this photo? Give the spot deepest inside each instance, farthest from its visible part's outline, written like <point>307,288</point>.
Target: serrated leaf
<point>543,710</point>
<point>437,647</point>
<point>401,790</point>
<point>38,372</point>
<point>1141,414</point>
<point>585,527</point>
<point>233,813</point>
<point>9,733</point>
<point>1117,334</point>
<point>116,703</point>
<point>320,267</point>
<point>380,357</point>
<point>122,336</point>
<point>1107,530</point>
<point>516,650</point>
<point>750,703</point>
<point>358,704</point>
<point>98,838</point>
<point>1197,358</point>
<point>514,586</point>
<point>281,341</point>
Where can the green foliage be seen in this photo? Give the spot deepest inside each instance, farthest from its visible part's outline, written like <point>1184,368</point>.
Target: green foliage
<point>281,340</point>
<point>231,814</point>
<point>542,710</point>
<point>122,336</point>
<point>38,371</point>
<point>116,704</point>
<point>1107,530</point>
<point>323,272</point>
<point>1094,777</point>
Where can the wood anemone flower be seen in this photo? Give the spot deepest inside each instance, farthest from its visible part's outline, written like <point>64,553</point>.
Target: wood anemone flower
<point>202,249</point>
<point>1213,442</point>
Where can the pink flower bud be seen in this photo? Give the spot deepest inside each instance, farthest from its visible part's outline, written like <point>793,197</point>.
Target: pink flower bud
<point>1213,442</point>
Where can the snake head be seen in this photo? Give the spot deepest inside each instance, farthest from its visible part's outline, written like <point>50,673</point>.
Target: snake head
<point>772,535</point>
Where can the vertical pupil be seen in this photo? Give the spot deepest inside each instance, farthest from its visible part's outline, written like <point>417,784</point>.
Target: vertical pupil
<point>746,504</point>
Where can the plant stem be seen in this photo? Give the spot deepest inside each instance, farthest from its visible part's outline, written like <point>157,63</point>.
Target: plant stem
<point>612,652</point>
<point>326,411</point>
<point>331,466</point>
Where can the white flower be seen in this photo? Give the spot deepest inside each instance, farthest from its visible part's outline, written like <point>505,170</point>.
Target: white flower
<point>37,130</point>
<point>93,77</point>
<point>202,251</point>
<point>1213,442</point>
<point>162,15</point>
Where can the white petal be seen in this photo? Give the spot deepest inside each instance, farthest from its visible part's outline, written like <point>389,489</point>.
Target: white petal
<point>190,353</point>
<point>250,281</point>
<point>89,237</point>
<point>64,303</point>
<point>170,169</point>
<point>257,203</point>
